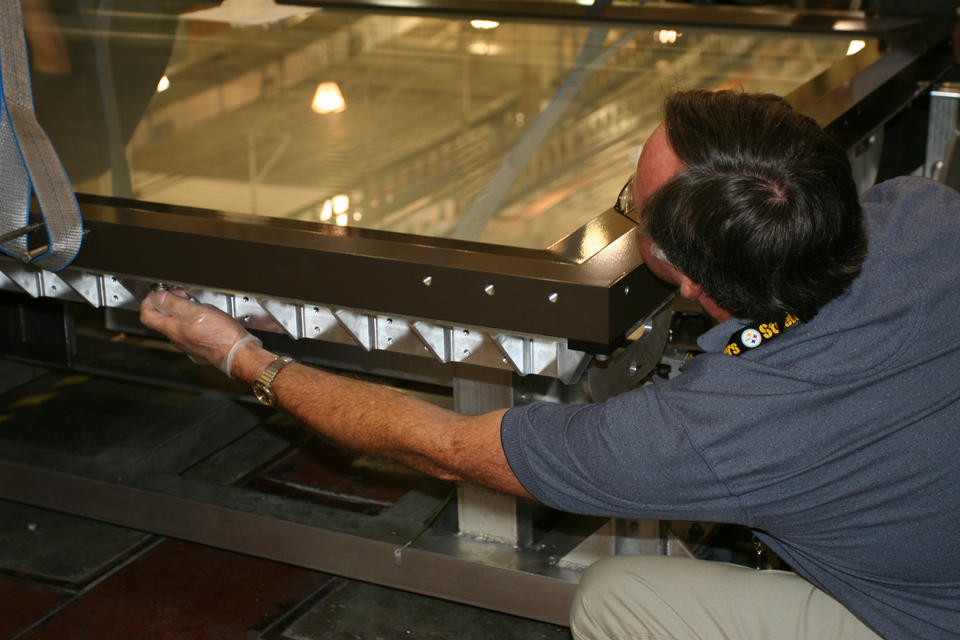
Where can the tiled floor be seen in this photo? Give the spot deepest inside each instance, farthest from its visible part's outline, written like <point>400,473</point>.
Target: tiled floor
<point>66,577</point>
<point>166,589</point>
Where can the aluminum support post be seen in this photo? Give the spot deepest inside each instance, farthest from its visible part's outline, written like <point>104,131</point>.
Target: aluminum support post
<point>942,126</point>
<point>484,513</point>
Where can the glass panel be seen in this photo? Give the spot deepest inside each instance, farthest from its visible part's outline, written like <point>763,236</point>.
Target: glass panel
<point>424,125</point>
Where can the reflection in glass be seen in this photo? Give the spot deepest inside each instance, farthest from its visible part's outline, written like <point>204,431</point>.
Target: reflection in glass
<point>420,112</point>
<point>328,99</point>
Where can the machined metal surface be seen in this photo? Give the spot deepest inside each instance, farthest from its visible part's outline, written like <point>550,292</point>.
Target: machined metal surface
<point>481,512</point>
<point>942,127</point>
<point>459,284</point>
<point>860,93</point>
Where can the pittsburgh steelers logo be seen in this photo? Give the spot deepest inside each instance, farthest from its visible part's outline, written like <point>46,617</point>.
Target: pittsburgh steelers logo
<point>751,338</point>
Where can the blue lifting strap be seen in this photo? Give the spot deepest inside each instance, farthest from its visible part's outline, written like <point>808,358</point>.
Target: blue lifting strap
<point>28,162</point>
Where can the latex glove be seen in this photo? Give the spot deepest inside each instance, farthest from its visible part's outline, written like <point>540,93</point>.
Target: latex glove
<point>203,332</point>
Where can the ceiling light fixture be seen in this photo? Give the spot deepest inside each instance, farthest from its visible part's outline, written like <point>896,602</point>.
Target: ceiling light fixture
<point>328,99</point>
<point>484,24</point>
<point>855,46</point>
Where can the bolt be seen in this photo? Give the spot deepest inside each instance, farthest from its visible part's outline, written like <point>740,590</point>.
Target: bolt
<point>553,297</point>
<point>489,290</point>
<point>427,281</point>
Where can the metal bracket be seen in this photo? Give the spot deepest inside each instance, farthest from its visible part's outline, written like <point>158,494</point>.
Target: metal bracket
<point>628,367</point>
<point>942,127</point>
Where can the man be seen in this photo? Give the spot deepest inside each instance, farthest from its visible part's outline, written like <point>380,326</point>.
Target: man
<point>828,422</point>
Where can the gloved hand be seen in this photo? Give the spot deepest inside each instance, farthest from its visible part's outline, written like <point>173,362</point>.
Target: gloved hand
<point>203,332</point>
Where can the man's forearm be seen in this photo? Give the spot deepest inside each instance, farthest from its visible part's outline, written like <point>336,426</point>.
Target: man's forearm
<point>382,422</point>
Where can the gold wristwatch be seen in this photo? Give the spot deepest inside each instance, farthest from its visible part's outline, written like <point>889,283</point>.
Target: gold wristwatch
<point>263,385</point>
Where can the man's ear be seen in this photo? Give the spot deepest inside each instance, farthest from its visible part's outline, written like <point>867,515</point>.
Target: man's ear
<point>694,291</point>
<point>688,288</point>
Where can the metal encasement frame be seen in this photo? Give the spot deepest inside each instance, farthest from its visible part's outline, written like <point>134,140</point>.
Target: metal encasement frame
<point>853,99</point>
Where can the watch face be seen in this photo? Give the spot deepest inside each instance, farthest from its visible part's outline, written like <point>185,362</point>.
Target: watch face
<point>263,393</point>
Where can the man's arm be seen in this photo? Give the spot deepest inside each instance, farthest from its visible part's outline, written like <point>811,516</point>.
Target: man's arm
<point>365,417</point>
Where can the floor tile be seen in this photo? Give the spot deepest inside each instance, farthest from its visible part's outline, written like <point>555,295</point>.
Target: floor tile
<point>359,611</point>
<point>23,602</point>
<point>184,591</point>
<point>61,548</point>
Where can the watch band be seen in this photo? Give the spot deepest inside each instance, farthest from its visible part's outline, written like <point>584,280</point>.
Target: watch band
<point>263,385</point>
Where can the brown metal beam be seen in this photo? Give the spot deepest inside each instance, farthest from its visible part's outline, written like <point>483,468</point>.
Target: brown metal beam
<point>597,299</point>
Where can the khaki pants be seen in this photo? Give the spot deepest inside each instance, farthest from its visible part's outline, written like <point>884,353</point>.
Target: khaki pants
<point>655,598</point>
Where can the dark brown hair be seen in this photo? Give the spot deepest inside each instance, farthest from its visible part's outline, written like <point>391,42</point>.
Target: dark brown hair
<point>765,216</point>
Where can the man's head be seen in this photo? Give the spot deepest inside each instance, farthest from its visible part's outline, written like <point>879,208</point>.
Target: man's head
<point>751,201</point>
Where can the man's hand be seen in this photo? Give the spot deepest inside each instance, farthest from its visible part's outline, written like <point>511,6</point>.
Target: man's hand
<point>203,332</point>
